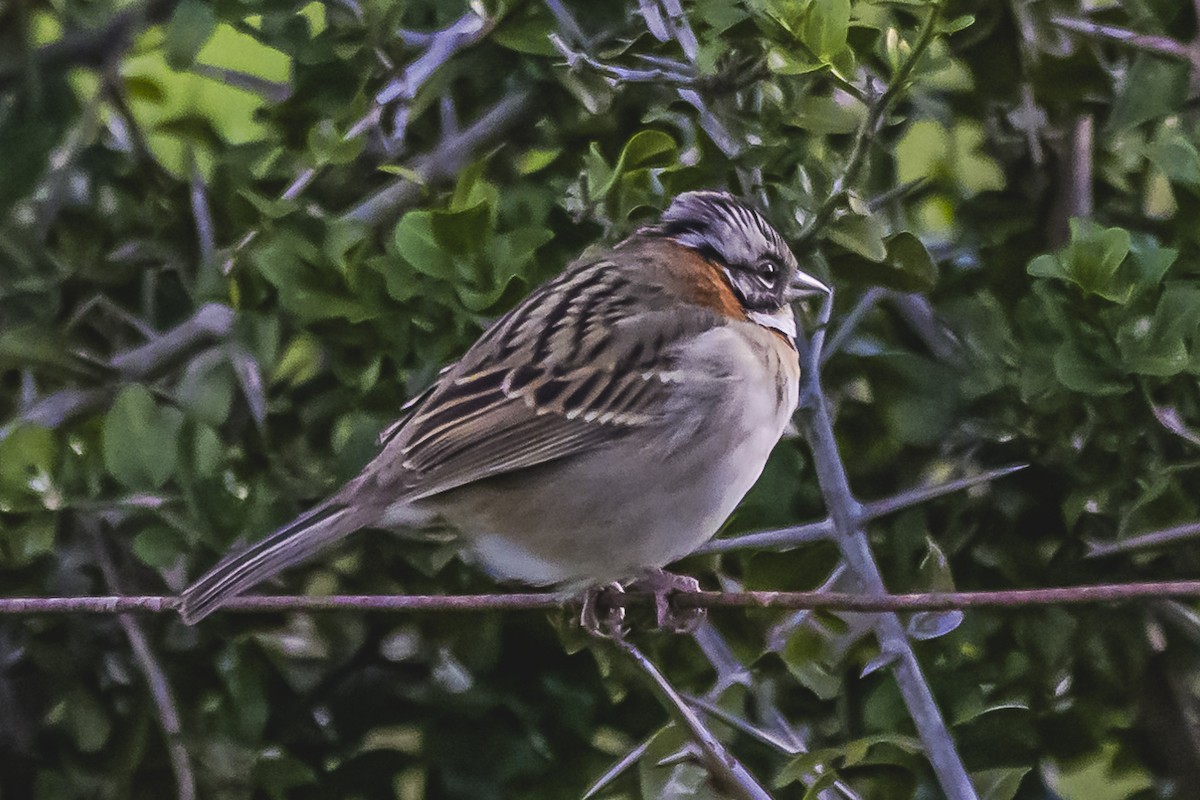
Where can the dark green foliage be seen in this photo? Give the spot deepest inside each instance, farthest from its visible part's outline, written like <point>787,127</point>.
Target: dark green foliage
<point>159,158</point>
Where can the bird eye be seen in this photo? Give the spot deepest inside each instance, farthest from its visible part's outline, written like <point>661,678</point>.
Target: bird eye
<point>768,271</point>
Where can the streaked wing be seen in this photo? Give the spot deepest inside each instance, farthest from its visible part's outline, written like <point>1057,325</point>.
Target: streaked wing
<point>579,364</point>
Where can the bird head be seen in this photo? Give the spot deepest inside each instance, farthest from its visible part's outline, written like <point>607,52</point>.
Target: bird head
<point>737,238</point>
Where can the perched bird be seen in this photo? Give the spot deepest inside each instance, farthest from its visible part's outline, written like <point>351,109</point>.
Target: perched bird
<point>603,428</point>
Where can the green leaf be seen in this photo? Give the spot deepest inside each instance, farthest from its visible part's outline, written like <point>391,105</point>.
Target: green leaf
<point>308,285</point>
<point>1000,783</point>
<point>206,389</point>
<point>1154,87</point>
<point>140,439</point>
<point>786,62</point>
<point>1157,345</point>
<point>862,235</point>
<point>416,243</point>
<point>825,27</point>
<point>159,547</point>
<point>480,300</point>
<point>1094,254</point>
<point>24,543</point>
<point>191,26</point>
<point>247,704</point>
<point>906,265</point>
<point>1177,157</point>
<point>530,35</point>
<point>42,348</point>
<point>955,24</point>
<point>87,721</point>
<point>279,775</point>
<point>1090,260</point>
<point>825,115</point>
<point>462,232</point>
<point>27,452</point>
<point>1048,266</point>
<point>329,146</point>
<point>206,451</point>
<point>648,148</point>
<point>301,361</point>
<point>803,655</point>
<point>1085,370</point>
<point>934,569</point>
<point>1149,261</point>
<point>536,159</point>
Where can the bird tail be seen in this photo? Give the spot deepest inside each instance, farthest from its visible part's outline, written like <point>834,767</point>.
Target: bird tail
<point>289,545</point>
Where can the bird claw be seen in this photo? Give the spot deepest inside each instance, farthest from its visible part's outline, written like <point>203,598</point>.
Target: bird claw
<point>663,585</point>
<point>599,616</point>
<point>606,619</point>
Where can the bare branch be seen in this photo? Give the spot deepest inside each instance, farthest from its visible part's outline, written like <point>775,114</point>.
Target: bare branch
<point>566,22</point>
<point>845,512</point>
<point>206,236</point>
<point>271,91</point>
<point>1170,418</point>
<point>673,74</point>
<point>445,161</point>
<point>540,601</point>
<point>787,538</point>
<point>681,29</point>
<point>1159,45</point>
<point>441,46</point>
<point>912,497</point>
<point>1159,538</point>
<point>612,773</point>
<point>851,321</point>
<point>779,538</point>
<point>210,323</point>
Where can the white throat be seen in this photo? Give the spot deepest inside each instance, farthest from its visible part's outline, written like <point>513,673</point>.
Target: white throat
<point>782,320</point>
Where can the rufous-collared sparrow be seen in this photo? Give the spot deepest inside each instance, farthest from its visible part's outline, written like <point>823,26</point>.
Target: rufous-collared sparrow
<point>603,428</point>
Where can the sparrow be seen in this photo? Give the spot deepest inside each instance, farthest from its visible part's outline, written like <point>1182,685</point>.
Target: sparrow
<point>603,428</point>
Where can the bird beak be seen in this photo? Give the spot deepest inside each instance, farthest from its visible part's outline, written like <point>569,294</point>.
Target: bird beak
<point>805,285</point>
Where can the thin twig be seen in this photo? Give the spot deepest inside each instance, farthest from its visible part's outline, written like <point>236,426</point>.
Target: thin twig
<point>850,322</point>
<point>1159,45</point>
<point>778,538</point>
<point>534,601</point>
<point>727,771</point>
<point>211,322</point>
<point>796,535</point>
<point>1159,538</point>
<point>445,161</point>
<point>206,235</point>
<point>566,22</point>
<point>156,678</point>
<point>441,47</point>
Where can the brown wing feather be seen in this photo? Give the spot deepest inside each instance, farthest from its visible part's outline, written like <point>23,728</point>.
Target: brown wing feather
<point>578,364</point>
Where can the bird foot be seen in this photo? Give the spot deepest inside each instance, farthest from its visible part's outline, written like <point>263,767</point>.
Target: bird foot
<point>663,585</point>
<point>600,616</point>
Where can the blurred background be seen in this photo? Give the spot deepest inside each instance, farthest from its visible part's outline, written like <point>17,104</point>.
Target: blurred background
<point>236,236</point>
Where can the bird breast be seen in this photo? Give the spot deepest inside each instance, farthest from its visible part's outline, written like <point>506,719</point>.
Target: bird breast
<point>651,497</point>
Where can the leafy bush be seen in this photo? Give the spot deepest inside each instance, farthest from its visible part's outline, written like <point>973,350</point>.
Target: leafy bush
<point>238,236</point>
